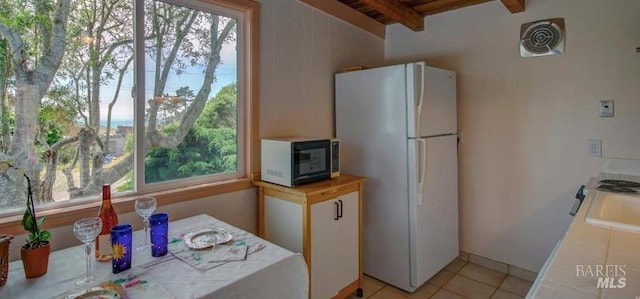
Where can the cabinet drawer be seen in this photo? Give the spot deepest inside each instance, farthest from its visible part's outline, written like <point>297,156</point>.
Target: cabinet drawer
<point>332,193</point>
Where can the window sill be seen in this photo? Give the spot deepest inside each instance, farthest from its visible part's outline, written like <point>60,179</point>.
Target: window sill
<point>68,215</point>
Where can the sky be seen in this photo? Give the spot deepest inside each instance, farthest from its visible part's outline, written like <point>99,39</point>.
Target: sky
<point>192,77</point>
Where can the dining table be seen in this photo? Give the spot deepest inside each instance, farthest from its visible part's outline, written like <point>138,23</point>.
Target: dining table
<point>268,271</point>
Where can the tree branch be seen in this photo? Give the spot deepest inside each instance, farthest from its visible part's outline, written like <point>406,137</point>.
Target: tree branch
<point>193,111</point>
<point>51,58</point>
<point>16,47</point>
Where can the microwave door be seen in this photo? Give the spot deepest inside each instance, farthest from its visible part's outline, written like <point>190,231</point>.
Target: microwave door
<point>311,161</point>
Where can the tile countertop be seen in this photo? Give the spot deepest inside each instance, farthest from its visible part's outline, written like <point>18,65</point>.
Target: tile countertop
<point>588,252</point>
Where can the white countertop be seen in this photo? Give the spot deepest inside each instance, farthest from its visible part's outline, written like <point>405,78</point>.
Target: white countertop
<point>585,253</point>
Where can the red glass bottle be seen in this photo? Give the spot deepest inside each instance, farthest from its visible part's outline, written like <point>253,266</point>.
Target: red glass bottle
<point>109,219</point>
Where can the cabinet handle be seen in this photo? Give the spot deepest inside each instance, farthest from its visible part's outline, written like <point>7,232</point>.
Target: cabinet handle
<point>340,214</point>
<point>337,214</point>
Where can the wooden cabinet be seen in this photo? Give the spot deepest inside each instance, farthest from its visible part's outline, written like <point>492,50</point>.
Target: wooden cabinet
<point>323,221</point>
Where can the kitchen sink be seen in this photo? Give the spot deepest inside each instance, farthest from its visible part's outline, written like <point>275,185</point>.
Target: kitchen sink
<point>616,210</point>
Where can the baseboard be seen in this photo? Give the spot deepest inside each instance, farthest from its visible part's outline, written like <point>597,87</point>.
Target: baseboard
<point>498,266</point>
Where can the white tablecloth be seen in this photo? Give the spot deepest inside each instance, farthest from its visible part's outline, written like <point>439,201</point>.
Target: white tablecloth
<point>272,272</point>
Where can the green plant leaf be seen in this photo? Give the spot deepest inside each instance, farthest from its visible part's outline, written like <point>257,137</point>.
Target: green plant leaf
<point>27,221</point>
<point>31,238</point>
<point>45,235</point>
<point>41,221</point>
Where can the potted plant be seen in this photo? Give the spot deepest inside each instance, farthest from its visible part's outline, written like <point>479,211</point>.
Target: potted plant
<point>34,254</point>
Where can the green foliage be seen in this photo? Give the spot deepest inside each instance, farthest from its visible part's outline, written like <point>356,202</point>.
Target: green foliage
<point>198,154</point>
<point>52,120</point>
<point>128,144</point>
<point>28,18</point>
<point>128,183</point>
<point>221,110</point>
<point>36,233</point>
<point>210,147</point>
<point>10,118</point>
<point>31,223</point>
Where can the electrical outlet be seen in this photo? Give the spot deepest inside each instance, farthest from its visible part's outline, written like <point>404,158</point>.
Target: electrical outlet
<point>594,147</point>
<point>606,108</point>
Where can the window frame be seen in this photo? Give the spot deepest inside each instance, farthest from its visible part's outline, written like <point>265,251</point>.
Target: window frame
<point>140,77</point>
<point>248,72</point>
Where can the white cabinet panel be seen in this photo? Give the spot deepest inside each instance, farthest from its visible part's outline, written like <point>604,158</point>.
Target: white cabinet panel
<point>334,245</point>
<point>324,230</point>
<point>283,223</point>
<point>348,250</point>
<point>323,222</point>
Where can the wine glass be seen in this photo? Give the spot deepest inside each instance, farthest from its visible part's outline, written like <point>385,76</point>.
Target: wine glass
<point>86,230</point>
<point>144,207</point>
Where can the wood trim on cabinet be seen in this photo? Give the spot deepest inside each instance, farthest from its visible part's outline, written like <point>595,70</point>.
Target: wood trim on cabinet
<point>307,196</point>
<point>261,212</point>
<point>361,232</point>
<point>306,240</point>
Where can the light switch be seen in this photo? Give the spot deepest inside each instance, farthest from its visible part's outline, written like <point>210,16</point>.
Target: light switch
<point>606,108</point>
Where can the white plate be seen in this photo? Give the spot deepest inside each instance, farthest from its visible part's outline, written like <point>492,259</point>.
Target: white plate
<point>206,238</point>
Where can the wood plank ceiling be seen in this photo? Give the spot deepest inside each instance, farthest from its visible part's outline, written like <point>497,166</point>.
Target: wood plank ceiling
<point>411,13</point>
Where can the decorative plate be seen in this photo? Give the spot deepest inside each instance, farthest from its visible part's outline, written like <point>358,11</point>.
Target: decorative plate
<point>206,238</point>
<point>97,293</point>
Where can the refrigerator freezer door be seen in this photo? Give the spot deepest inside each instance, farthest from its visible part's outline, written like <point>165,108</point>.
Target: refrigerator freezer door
<point>433,210</point>
<point>371,125</point>
<point>432,97</point>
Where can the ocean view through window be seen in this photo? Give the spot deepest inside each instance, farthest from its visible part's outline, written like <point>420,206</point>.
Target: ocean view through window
<point>73,118</point>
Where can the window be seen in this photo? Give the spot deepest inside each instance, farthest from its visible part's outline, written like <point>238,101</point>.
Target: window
<point>145,95</point>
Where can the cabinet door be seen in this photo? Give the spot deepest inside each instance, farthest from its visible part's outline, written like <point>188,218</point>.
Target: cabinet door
<point>348,241</point>
<point>324,228</point>
<point>283,223</point>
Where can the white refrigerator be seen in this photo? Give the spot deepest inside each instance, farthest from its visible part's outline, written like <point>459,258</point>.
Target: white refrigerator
<point>397,126</point>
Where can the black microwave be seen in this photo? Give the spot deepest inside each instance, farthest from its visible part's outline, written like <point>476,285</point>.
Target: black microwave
<point>294,161</point>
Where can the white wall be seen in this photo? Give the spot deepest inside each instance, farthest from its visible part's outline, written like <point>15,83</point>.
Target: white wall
<point>525,122</point>
<point>300,50</point>
<point>237,208</point>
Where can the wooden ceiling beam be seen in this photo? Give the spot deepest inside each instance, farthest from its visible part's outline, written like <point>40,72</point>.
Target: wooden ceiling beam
<point>349,15</point>
<point>439,6</point>
<point>514,6</point>
<point>394,9</point>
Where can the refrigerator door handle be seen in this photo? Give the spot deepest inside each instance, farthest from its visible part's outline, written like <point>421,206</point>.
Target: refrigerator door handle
<point>423,168</point>
<point>420,65</point>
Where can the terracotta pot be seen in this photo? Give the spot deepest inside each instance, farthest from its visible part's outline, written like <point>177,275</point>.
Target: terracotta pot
<point>35,261</point>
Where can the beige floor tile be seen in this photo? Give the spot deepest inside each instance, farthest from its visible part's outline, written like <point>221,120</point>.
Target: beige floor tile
<point>425,291</point>
<point>516,285</point>
<point>469,287</point>
<point>444,294</point>
<point>389,292</point>
<point>489,263</point>
<point>522,273</point>
<point>455,266</point>
<point>500,294</point>
<point>371,285</point>
<point>482,274</point>
<point>441,278</point>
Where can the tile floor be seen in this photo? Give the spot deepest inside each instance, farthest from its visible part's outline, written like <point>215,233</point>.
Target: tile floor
<point>460,279</point>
